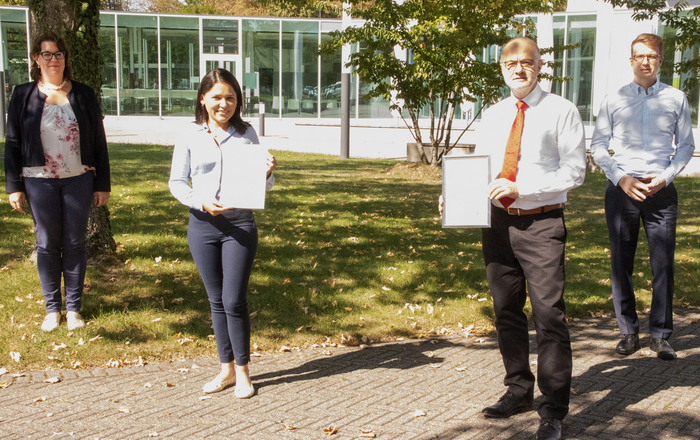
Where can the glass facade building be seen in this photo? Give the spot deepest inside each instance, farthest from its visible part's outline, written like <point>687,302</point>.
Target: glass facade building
<point>152,63</point>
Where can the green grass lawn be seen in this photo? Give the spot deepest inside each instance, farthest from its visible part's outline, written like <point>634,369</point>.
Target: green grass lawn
<point>347,247</point>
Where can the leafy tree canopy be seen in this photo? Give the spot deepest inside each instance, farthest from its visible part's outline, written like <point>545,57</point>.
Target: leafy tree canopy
<point>444,41</point>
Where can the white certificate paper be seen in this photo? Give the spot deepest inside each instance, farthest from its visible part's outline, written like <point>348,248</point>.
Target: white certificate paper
<point>465,181</point>
<point>243,177</point>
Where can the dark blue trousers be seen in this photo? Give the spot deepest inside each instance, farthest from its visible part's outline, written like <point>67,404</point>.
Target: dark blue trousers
<point>524,255</point>
<point>223,248</point>
<point>658,214</point>
<point>60,209</point>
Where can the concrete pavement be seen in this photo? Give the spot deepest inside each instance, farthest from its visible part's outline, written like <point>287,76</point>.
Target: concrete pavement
<point>384,387</point>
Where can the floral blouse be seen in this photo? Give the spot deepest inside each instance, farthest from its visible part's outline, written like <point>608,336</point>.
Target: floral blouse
<point>61,141</point>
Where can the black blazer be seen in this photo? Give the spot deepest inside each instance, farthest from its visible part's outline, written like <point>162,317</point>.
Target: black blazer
<point>23,139</point>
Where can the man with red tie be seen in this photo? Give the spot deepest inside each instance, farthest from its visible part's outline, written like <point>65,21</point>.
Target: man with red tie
<point>537,147</point>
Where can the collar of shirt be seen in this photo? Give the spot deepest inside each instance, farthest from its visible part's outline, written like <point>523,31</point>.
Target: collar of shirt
<point>639,90</point>
<point>532,98</point>
<point>231,131</point>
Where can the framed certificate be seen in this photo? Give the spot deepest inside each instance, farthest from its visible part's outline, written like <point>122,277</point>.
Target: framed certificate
<point>465,181</point>
<point>243,176</point>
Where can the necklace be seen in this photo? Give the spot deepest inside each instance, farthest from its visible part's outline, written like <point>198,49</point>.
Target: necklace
<point>44,86</point>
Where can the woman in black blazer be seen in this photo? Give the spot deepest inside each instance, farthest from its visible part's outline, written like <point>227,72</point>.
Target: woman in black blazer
<point>56,161</point>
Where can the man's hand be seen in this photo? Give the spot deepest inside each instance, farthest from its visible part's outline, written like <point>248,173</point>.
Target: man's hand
<point>655,185</point>
<point>635,189</point>
<point>500,188</point>
<point>441,205</point>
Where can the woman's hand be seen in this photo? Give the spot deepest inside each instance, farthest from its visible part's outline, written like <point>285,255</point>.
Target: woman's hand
<point>271,164</point>
<point>99,198</point>
<point>18,201</point>
<point>214,208</point>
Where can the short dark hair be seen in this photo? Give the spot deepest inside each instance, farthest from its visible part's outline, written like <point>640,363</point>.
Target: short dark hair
<point>35,71</point>
<point>649,40</point>
<point>208,81</point>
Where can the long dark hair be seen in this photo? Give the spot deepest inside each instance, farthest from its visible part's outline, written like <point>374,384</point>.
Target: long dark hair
<point>35,71</point>
<point>220,76</point>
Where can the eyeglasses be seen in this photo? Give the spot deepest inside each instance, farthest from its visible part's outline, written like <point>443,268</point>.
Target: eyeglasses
<point>650,57</point>
<point>526,64</point>
<point>48,55</point>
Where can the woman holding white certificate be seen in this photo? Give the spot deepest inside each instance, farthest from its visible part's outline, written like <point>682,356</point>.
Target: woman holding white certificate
<point>223,240</point>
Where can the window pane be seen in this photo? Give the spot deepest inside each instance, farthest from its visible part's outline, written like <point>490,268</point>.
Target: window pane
<point>580,63</point>
<point>261,60</point>
<point>105,40</point>
<point>138,63</point>
<point>300,68</point>
<point>220,36</point>
<point>179,52</point>
<point>15,51</point>
<point>331,70</point>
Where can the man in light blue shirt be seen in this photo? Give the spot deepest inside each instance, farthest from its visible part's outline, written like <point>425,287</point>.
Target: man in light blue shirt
<point>647,124</point>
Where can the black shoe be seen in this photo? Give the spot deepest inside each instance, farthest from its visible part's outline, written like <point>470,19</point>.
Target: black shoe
<point>550,429</point>
<point>628,345</point>
<point>662,348</point>
<point>509,405</point>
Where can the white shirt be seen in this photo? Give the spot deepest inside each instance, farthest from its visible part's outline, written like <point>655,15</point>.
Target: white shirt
<point>644,130</point>
<point>552,157</point>
<point>195,174</point>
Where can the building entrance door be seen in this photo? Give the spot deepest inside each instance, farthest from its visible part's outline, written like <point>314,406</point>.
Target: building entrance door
<point>232,63</point>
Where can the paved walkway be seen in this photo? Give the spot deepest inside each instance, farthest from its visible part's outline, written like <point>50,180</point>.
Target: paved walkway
<point>383,387</point>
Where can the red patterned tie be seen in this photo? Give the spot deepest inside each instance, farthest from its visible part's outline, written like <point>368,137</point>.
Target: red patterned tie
<point>510,160</point>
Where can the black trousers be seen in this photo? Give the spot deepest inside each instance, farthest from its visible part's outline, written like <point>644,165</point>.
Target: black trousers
<point>658,213</point>
<point>525,255</point>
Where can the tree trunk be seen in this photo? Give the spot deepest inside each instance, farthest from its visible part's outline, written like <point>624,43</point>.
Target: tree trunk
<point>78,23</point>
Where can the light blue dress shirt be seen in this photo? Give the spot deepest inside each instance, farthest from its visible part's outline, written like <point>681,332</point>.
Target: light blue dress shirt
<point>195,174</point>
<point>651,134</point>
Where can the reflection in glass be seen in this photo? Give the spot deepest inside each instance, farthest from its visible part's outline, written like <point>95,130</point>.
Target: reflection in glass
<point>14,33</point>
<point>300,69</point>
<point>138,64</point>
<point>179,63</point>
<point>576,63</point>
<point>261,64</point>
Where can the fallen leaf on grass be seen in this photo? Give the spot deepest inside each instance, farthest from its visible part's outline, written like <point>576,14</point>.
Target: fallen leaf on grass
<point>419,413</point>
<point>168,384</point>
<point>59,346</point>
<point>15,356</point>
<point>18,299</point>
<point>81,342</point>
<point>124,410</point>
<point>367,433</point>
<point>96,338</point>
<point>285,349</point>
<point>155,320</point>
<point>75,365</point>
<point>290,427</point>
<point>330,430</point>
<point>53,380</point>
<point>177,301</point>
<point>49,414</point>
<point>460,369</point>
<point>3,371</point>
<point>40,399</point>
<point>4,384</point>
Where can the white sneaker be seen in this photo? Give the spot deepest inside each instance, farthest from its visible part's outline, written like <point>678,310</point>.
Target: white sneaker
<point>51,321</point>
<point>75,321</point>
